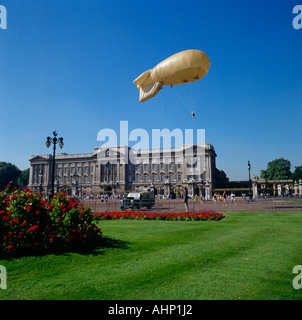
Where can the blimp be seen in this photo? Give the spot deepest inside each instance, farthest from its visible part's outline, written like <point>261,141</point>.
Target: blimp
<point>181,68</point>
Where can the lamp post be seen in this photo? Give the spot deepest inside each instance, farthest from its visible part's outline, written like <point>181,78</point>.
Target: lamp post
<point>53,141</point>
<point>249,168</point>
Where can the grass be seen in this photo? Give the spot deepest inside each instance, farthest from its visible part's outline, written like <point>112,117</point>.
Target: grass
<point>244,256</point>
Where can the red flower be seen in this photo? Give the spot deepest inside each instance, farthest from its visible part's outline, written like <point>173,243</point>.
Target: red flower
<point>24,223</point>
<point>33,228</point>
<point>64,210</point>
<point>10,247</point>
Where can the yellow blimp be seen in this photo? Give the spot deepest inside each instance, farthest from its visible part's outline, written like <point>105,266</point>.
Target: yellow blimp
<point>180,68</point>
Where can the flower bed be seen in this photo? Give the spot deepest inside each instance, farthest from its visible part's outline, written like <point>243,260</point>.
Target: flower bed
<point>29,223</point>
<point>145,215</point>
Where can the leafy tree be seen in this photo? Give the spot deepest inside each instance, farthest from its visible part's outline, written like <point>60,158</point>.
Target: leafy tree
<point>8,173</point>
<point>23,178</point>
<point>277,169</point>
<point>297,174</point>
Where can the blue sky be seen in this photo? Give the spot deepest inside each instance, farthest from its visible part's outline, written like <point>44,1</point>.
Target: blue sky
<point>70,65</point>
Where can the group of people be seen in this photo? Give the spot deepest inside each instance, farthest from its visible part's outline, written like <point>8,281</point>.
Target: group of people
<point>223,197</point>
<point>216,197</point>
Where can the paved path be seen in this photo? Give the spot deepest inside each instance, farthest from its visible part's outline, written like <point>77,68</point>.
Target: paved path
<point>275,204</point>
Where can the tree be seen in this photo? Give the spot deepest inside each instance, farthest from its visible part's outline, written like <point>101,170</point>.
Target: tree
<point>23,178</point>
<point>277,169</point>
<point>8,173</point>
<point>297,174</point>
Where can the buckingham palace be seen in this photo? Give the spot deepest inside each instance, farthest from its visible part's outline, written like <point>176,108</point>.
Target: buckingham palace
<point>113,171</point>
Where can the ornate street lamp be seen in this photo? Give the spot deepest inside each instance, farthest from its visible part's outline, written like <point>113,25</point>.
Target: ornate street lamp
<point>249,168</point>
<point>53,141</point>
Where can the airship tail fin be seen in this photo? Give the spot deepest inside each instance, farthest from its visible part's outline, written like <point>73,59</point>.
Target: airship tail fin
<point>142,78</point>
<point>149,91</point>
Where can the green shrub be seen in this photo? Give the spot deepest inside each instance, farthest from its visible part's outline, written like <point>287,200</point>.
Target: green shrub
<point>28,223</point>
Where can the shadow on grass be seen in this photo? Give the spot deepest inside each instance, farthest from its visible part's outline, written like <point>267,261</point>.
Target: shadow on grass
<point>92,248</point>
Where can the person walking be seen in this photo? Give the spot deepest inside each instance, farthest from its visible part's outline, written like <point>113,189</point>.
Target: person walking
<point>186,199</point>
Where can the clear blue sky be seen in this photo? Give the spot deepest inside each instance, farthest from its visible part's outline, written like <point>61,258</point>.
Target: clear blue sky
<point>70,65</point>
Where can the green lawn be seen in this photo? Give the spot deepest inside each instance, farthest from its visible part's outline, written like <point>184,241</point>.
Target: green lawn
<point>244,256</point>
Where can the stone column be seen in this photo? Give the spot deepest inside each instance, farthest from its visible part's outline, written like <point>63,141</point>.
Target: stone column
<point>279,190</point>
<point>167,189</point>
<point>296,188</point>
<point>300,187</point>
<point>208,191</point>
<point>191,189</point>
<point>255,189</point>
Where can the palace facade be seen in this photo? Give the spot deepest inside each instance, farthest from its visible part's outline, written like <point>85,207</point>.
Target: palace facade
<point>120,169</point>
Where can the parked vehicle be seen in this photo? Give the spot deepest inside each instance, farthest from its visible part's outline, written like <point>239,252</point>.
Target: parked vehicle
<point>137,200</point>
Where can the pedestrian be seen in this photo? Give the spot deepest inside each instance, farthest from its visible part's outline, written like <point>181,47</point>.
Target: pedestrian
<point>215,197</point>
<point>233,197</point>
<point>186,199</point>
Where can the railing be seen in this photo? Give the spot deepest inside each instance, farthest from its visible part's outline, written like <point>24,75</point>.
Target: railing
<point>177,205</point>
